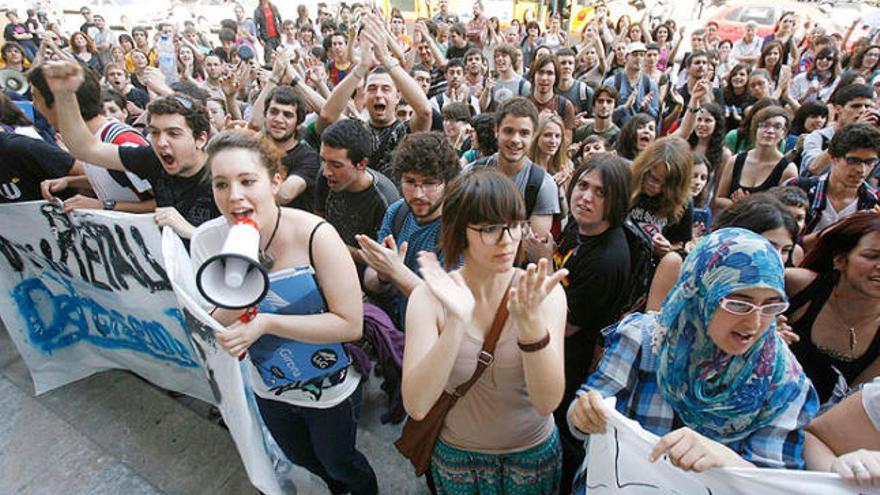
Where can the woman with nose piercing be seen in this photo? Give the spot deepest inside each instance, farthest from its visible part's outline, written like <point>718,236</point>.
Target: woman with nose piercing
<point>314,421</point>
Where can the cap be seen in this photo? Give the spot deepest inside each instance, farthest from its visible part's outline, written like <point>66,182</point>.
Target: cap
<point>635,47</point>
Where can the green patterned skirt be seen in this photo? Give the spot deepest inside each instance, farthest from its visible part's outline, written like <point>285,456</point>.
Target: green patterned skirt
<point>535,471</point>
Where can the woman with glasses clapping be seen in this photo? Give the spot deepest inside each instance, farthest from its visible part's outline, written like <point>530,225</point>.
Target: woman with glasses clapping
<point>503,423</point>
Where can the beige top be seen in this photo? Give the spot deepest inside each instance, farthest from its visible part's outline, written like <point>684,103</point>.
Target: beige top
<point>495,415</point>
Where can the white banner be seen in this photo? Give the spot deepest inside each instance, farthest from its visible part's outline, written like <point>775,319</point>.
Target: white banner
<point>86,292</point>
<point>618,463</point>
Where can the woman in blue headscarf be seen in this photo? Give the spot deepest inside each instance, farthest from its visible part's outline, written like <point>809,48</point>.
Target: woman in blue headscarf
<point>709,373</point>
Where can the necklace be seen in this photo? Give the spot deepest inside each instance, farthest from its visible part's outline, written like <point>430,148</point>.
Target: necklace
<point>852,330</point>
<point>266,260</point>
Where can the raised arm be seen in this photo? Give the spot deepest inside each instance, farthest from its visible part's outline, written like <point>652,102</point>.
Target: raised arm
<point>407,86</point>
<point>671,60</point>
<point>63,78</point>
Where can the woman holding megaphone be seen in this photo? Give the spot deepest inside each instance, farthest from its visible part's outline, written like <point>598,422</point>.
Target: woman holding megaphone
<point>313,305</point>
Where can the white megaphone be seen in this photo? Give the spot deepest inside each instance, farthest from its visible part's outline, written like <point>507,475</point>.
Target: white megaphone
<point>234,278</point>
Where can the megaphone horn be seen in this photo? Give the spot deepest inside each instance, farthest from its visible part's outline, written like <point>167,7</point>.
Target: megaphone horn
<point>234,278</point>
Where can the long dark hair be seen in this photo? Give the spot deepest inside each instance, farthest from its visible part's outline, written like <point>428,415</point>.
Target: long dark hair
<point>628,137</point>
<point>715,147</point>
<point>828,51</point>
<point>729,94</point>
<point>856,63</point>
<point>808,109</point>
<point>762,64</point>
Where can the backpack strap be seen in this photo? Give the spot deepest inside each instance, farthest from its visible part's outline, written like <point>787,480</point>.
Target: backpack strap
<point>533,186</point>
<point>522,83</point>
<point>560,105</point>
<point>398,219</point>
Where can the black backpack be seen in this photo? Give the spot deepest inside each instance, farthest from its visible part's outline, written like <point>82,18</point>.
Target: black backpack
<point>398,219</point>
<point>641,263</point>
<point>533,182</point>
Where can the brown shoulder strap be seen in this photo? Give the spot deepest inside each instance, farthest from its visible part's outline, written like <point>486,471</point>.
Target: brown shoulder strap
<point>486,356</point>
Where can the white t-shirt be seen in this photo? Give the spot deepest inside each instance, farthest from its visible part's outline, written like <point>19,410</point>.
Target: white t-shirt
<point>107,187</point>
<point>830,217</point>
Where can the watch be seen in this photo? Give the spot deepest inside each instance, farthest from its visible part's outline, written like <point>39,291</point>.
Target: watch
<point>109,204</point>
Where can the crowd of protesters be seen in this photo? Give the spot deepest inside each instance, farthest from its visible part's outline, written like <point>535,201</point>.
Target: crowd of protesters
<point>695,234</point>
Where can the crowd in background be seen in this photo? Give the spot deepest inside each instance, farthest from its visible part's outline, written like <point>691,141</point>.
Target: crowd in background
<point>698,232</point>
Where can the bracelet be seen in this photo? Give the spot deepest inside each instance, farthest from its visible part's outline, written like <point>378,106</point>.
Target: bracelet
<point>274,80</point>
<point>693,109</point>
<point>294,81</point>
<point>535,346</point>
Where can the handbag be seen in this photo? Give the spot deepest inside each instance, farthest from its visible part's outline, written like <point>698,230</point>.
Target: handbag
<point>418,438</point>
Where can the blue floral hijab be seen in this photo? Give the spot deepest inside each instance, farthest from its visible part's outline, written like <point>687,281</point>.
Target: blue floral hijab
<point>722,396</point>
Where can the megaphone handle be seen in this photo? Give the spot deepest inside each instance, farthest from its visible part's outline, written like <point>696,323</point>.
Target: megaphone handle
<point>245,317</point>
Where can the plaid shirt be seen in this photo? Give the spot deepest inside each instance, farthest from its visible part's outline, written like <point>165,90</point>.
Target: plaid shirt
<point>628,371</point>
<point>817,193</point>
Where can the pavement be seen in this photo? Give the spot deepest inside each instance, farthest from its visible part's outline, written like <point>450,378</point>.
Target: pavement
<point>114,433</point>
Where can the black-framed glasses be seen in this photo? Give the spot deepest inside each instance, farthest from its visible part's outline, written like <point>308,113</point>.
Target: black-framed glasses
<point>853,161</point>
<point>742,308</point>
<point>492,234</point>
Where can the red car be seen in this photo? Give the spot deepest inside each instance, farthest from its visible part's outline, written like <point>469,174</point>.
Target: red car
<point>732,18</point>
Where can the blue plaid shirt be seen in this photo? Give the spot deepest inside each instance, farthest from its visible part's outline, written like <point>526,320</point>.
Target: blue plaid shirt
<point>817,194</point>
<point>628,371</point>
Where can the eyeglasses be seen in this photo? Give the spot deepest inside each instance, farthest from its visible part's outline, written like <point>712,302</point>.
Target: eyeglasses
<point>427,187</point>
<point>492,234</point>
<point>852,161</point>
<point>742,308</point>
<point>825,58</point>
<point>773,127</point>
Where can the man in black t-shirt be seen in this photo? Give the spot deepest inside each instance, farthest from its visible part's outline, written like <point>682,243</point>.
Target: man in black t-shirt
<point>283,113</point>
<point>25,162</point>
<point>174,163</point>
<point>358,197</point>
<point>383,89</point>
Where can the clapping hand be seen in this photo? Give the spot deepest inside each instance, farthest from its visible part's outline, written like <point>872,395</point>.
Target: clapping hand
<point>529,291</point>
<point>385,258</point>
<point>449,288</point>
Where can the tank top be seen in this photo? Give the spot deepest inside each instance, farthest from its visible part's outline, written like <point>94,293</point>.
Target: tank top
<point>772,180</point>
<point>495,415</point>
<point>302,374</point>
<point>816,363</point>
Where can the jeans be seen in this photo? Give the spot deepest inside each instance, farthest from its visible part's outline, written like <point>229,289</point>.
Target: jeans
<point>323,441</point>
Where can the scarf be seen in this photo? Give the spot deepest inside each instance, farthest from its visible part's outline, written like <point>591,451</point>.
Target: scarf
<point>722,396</point>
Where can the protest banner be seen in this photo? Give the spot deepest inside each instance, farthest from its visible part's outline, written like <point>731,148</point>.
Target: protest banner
<point>87,292</point>
<point>618,462</point>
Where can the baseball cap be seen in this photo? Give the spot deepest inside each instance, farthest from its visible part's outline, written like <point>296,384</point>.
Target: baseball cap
<point>635,47</point>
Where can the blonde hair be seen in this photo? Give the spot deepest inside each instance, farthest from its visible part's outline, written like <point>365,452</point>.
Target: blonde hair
<point>559,161</point>
<point>675,154</point>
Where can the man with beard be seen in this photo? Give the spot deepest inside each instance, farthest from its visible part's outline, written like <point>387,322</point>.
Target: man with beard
<point>426,163</point>
<point>604,103</point>
<point>697,70</point>
<point>213,73</point>
<point>174,162</point>
<point>283,113</point>
<point>474,71</point>
<point>383,88</point>
<point>638,92</point>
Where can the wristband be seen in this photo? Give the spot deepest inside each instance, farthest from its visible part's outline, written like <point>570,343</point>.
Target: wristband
<point>294,81</point>
<point>535,346</point>
<point>274,80</point>
<point>392,64</point>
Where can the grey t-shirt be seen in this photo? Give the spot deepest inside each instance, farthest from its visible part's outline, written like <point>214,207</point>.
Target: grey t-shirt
<point>510,88</point>
<point>547,202</point>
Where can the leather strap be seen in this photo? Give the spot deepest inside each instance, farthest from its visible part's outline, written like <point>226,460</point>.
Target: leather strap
<point>487,356</point>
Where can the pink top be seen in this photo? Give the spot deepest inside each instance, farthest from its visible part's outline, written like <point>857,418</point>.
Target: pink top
<point>495,416</point>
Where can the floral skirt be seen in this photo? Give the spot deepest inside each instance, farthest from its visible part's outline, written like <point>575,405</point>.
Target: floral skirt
<point>535,471</point>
